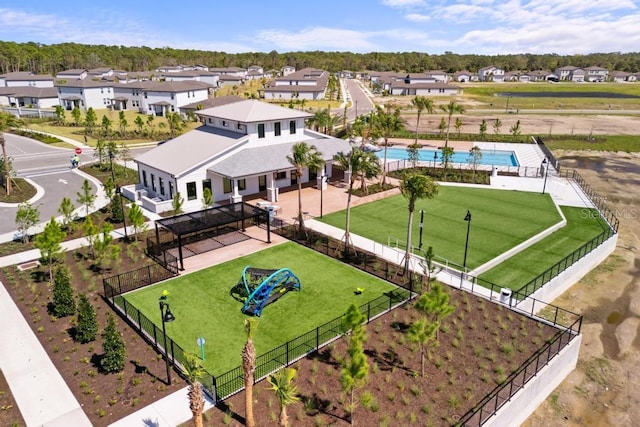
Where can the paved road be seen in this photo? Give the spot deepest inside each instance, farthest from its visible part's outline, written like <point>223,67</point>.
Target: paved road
<point>361,104</point>
<point>49,169</point>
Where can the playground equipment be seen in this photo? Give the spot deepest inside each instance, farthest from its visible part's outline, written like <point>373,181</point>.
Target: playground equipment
<point>265,286</point>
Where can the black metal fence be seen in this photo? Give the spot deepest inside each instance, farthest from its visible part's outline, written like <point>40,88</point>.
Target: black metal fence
<point>522,171</point>
<point>161,255</point>
<point>500,395</point>
<point>548,154</point>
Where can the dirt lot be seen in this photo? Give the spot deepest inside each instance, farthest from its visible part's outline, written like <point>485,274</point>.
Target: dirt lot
<point>604,389</point>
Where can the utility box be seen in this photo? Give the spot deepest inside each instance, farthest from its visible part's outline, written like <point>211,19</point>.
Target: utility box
<point>505,295</point>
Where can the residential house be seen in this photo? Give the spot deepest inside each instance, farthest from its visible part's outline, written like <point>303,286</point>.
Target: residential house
<point>570,73</point>
<point>438,75</point>
<point>100,72</point>
<point>85,93</point>
<point>308,83</point>
<point>72,74</point>
<point>159,97</point>
<point>25,78</point>
<point>464,76</point>
<point>29,96</point>
<point>596,74</point>
<point>542,76</point>
<point>491,74</point>
<point>240,150</point>
<point>230,80</point>
<point>622,76</point>
<point>230,71</point>
<point>255,69</point>
<point>287,69</point>
<point>195,75</point>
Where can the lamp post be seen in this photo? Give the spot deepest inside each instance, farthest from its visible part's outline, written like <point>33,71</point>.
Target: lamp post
<point>356,108</point>
<point>421,223</point>
<point>545,170</point>
<point>166,316</point>
<point>323,180</point>
<point>467,218</point>
<point>435,158</point>
<point>119,193</point>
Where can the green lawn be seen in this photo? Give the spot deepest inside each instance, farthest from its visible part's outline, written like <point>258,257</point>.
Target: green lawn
<point>501,219</point>
<point>204,307</point>
<point>582,226</point>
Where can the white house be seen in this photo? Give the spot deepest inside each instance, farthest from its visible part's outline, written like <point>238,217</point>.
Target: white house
<point>308,83</point>
<point>570,73</point>
<point>159,98</point>
<point>491,74</point>
<point>240,150</point>
<point>25,78</point>
<point>287,69</point>
<point>85,93</point>
<point>195,75</point>
<point>29,96</point>
<point>596,74</point>
<point>74,73</point>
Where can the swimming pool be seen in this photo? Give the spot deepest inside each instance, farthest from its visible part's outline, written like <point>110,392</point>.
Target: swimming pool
<point>489,157</point>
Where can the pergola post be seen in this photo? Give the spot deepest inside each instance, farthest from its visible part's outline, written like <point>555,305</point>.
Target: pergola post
<point>180,251</point>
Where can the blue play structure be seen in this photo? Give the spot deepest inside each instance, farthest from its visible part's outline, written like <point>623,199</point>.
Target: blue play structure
<point>265,286</point>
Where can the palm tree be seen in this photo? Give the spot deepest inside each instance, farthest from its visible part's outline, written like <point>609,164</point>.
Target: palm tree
<point>386,124</point>
<point>451,108</point>
<point>194,370</point>
<point>286,392</point>
<point>7,121</point>
<point>421,103</point>
<point>249,367</point>
<point>304,156</point>
<point>413,187</point>
<point>360,164</point>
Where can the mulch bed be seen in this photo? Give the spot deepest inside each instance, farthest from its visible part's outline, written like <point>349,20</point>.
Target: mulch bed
<point>105,398</point>
<point>480,344</point>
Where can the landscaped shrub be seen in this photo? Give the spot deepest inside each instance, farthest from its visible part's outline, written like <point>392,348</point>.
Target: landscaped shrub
<point>47,139</point>
<point>63,302</point>
<point>87,324</point>
<point>113,346</point>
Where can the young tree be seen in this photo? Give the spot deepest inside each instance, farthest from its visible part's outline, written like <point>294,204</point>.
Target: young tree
<point>483,129</point>
<point>207,198</point>
<point>304,156</point>
<point>77,116</point>
<point>63,302</point>
<point>177,203</point>
<point>435,305</point>
<point>90,120</point>
<point>66,210</point>
<point>286,392</point>
<point>421,332</point>
<point>421,103</point>
<point>193,370</point>
<point>91,234</point>
<point>86,322</point>
<point>475,157</point>
<point>137,221</point>
<point>413,153</point>
<point>124,153</point>
<point>7,121</point>
<point>60,116</point>
<point>413,187</point>
<point>105,249</point>
<point>86,196</point>
<point>48,242</point>
<point>150,125</point>
<point>106,126</point>
<point>139,124</point>
<point>355,368</point>
<point>442,126</point>
<point>497,124</point>
<point>26,217</point>
<point>100,151</point>
<point>428,266</point>
<point>175,122</point>
<point>458,125</point>
<point>515,129</point>
<point>447,154</point>
<point>113,346</point>
<point>117,215</point>
<point>249,367</point>
<point>122,123</point>
<point>451,108</point>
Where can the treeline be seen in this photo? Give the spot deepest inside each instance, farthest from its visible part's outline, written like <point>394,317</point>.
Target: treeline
<point>51,59</point>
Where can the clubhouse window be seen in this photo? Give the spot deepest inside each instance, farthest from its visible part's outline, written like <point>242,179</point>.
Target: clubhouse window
<point>191,191</point>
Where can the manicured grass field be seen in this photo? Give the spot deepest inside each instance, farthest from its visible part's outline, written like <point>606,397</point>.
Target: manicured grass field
<point>204,307</point>
<point>582,225</point>
<point>501,219</point>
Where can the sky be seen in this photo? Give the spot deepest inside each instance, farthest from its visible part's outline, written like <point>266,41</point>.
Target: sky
<point>483,27</point>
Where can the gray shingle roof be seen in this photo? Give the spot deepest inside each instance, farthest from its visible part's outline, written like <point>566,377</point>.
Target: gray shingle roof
<point>213,102</point>
<point>187,151</point>
<point>260,160</point>
<point>252,111</point>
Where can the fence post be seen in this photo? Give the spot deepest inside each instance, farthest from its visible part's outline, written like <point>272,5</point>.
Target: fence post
<point>287,353</point>
<point>317,338</point>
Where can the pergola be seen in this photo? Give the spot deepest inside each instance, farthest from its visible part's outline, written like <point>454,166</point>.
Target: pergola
<point>193,223</point>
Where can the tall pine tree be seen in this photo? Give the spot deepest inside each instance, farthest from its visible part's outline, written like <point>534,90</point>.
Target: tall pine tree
<point>87,321</point>
<point>63,302</point>
<point>113,346</point>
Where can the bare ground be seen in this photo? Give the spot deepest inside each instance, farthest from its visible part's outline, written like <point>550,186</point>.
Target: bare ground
<point>604,389</point>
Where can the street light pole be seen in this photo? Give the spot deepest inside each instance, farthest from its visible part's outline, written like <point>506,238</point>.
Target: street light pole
<point>467,218</point>
<point>421,222</point>
<point>545,170</point>
<point>356,108</point>
<point>323,179</point>
<point>435,159</point>
<point>166,316</point>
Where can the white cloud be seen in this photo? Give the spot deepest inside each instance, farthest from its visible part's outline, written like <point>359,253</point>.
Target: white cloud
<point>416,17</point>
<point>403,3</point>
<point>315,38</point>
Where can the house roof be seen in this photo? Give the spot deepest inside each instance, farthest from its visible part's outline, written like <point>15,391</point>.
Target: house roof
<point>72,71</point>
<point>213,102</point>
<point>187,151</point>
<point>84,83</point>
<point>173,86</point>
<point>30,91</point>
<point>295,88</point>
<point>26,76</point>
<point>230,77</point>
<point>251,111</point>
<point>260,160</point>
